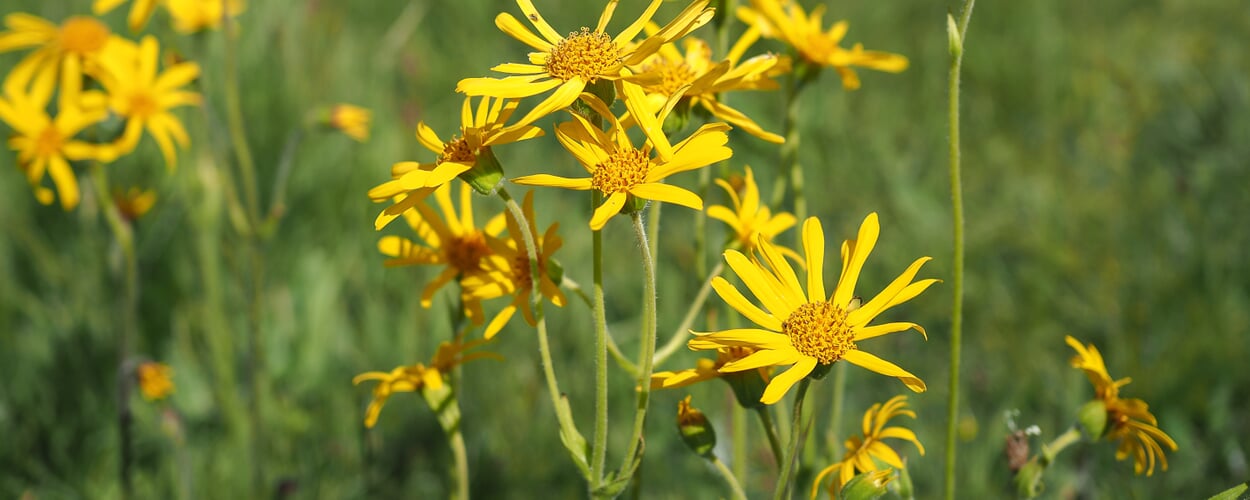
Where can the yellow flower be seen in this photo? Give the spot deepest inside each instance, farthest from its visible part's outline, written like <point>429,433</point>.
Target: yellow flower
<point>508,270</point>
<point>1129,421</point>
<point>191,16</point>
<point>411,181</point>
<point>862,451</point>
<point>456,243</point>
<point>47,144</point>
<point>620,170</point>
<point>81,39</point>
<point>786,20</point>
<point>705,369</point>
<point>669,71</point>
<point>140,11</point>
<point>569,64</point>
<point>351,120</point>
<point>750,220</point>
<point>419,376</point>
<point>136,92</point>
<point>805,330</point>
<point>134,203</point>
<point>155,380</point>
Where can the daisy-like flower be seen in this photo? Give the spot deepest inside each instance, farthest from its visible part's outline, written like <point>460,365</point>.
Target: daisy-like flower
<point>619,170</point>
<point>193,16</point>
<point>452,240</point>
<point>81,39</point>
<point>46,144</point>
<point>140,11</point>
<point>705,369</point>
<point>705,79</point>
<point>786,20</point>
<point>808,329</point>
<point>863,451</point>
<point>134,203</point>
<point>137,92</point>
<point>1129,421</point>
<point>412,181</point>
<point>750,220</point>
<point>569,64</point>
<point>350,120</point>
<point>508,270</point>
<point>418,377</point>
<point>155,380</point>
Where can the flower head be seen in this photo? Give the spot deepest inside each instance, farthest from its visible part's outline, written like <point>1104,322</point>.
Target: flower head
<point>155,380</point>
<point>80,40</point>
<point>140,11</point>
<point>705,369</point>
<point>1129,421</point>
<point>569,63</point>
<point>191,16</point>
<point>418,377</point>
<point>509,271</point>
<point>863,451</point>
<point>350,120</point>
<point>787,21</point>
<point>620,170</point>
<point>134,203</point>
<point>412,181</point>
<point>750,220</point>
<point>808,329</point>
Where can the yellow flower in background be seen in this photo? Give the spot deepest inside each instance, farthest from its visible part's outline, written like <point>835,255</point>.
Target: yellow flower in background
<point>509,273</point>
<point>137,92</point>
<point>46,144</point>
<point>412,181</point>
<point>192,16</point>
<point>786,20</point>
<point>751,221</point>
<point>140,11</point>
<point>419,376</point>
<point>805,330</point>
<point>1129,421</point>
<point>619,170</point>
<point>863,451</point>
<point>569,64</point>
<point>452,240</point>
<point>134,203</point>
<point>155,380</point>
<point>705,369</point>
<point>668,71</point>
<point>350,120</point>
<point>80,39</point>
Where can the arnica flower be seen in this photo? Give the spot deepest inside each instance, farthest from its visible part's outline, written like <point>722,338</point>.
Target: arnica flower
<point>81,39</point>
<point>134,203</point>
<point>569,64</point>
<point>140,11</point>
<point>509,273</point>
<point>350,120</point>
<point>452,240</point>
<point>786,20</point>
<point>670,70</point>
<point>863,451</point>
<point>705,369</point>
<point>1129,421</point>
<point>808,329</point>
<point>137,92</point>
<point>412,181</point>
<point>750,220</point>
<point>418,377</point>
<point>46,144</point>
<point>620,171</point>
<point>193,16</point>
<point>155,380</point>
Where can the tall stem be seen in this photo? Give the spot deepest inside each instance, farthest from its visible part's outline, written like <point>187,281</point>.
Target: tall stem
<point>796,441</point>
<point>734,486</point>
<point>461,456</point>
<point>774,443</point>
<point>956,35</point>
<point>646,355</point>
<point>792,173</point>
<point>835,419</point>
<point>739,425</point>
<point>234,118</point>
<point>599,446</point>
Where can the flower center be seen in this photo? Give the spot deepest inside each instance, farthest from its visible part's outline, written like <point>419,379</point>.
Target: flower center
<point>819,330</point>
<point>83,35</point>
<point>458,150</point>
<point>466,252</point>
<point>673,75</point>
<point>622,170</point>
<point>521,267</point>
<point>584,54</point>
<point>48,142</point>
<point>142,105</point>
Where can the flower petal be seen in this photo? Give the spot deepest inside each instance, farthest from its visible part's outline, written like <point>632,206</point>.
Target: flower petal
<point>872,362</point>
<point>780,384</point>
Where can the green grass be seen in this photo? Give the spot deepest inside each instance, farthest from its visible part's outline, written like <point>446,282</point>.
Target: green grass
<point>1106,193</point>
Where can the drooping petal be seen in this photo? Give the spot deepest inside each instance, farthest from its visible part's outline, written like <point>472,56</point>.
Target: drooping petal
<point>781,384</point>
<point>872,362</point>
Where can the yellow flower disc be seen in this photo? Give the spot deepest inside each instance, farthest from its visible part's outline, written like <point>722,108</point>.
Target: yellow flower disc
<point>458,150</point>
<point>83,35</point>
<point>583,54</point>
<point>819,330</point>
<point>622,170</point>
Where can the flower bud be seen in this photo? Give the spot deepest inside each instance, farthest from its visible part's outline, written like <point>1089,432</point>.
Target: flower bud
<point>1092,418</point>
<point>867,486</point>
<point>695,430</point>
<point>486,173</point>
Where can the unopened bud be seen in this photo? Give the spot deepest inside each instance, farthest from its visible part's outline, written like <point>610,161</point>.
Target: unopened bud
<point>952,36</point>
<point>1092,417</point>
<point>695,430</point>
<point>486,173</point>
<point>867,486</point>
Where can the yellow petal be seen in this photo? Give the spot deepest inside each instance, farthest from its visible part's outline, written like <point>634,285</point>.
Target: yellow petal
<point>508,24</point>
<point>864,243</point>
<point>667,193</point>
<point>892,295</point>
<point>872,362</point>
<point>610,207</point>
<point>879,330</point>
<point>553,181</point>
<point>814,249</point>
<point>780,384</point>
<point>736,300</point>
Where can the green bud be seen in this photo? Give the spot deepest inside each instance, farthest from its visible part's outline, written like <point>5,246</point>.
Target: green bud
<point>903,487</point>
<point>1092,418</point>
<point>605,90</point>
<point>955,42</point>
<point>867,486</point>
<point>678,119</point>
<point>555,271</point>
<point>1029,479</point>
<point>486,173</point>
<point>695,429</point>
<point>632,204</point>
<point>748,387</point>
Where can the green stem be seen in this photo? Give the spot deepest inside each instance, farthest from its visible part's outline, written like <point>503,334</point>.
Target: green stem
<point>599,446</point>
<point>646,355</point>
<point>277,200</point>
<point>796,440</point>
<point>957,214</point>
<point>1051,450</point>
<point>738,418</point>
<point>680,334</point>
<point>624,362</point>
<point>792,173</point>
<point>729,478</point>
<point>774,443</point>
<point>835,419</point>
<point>461,456</point>
<point>238,134</point>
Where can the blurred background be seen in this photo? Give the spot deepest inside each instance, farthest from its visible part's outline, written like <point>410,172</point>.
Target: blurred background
<point>1106,185</point>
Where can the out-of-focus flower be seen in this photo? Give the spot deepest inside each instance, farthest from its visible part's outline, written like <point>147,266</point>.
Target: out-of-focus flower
<point>80,40</point>
<point>140,11</point>
<point>418,377</point>
<point>750,220</point>
<point>134,203</point>
<point>192,16</point>
<point>155,380</point>
<point>786,20</point>
<point>863,451</point>
<point>569,64</point>
<point>808,329</point>
<point>350,120</point>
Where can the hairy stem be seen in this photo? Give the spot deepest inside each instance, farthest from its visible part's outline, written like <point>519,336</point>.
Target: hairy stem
<point>796,441</point>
